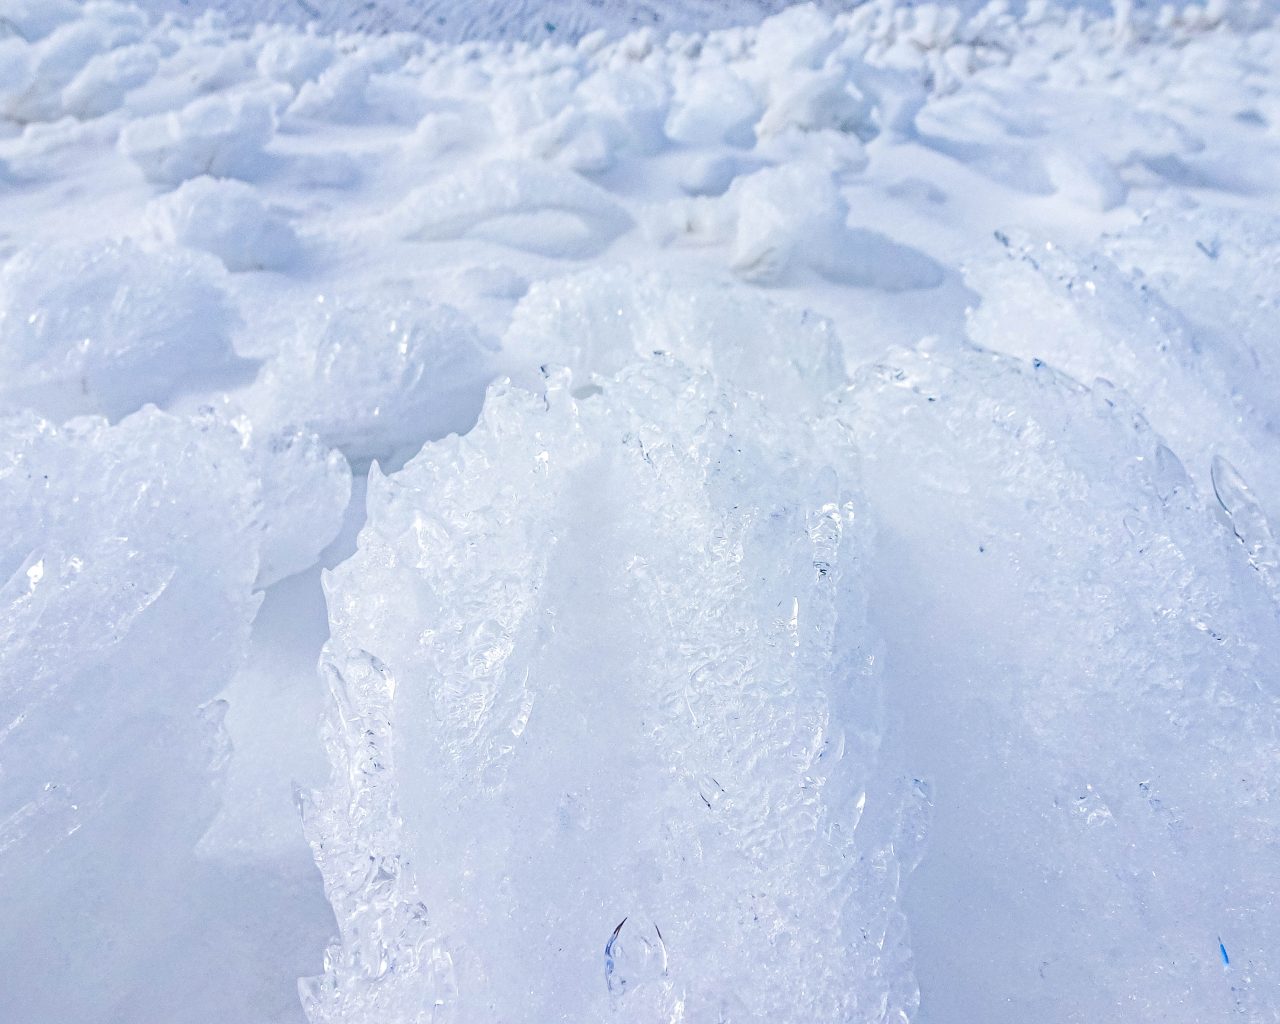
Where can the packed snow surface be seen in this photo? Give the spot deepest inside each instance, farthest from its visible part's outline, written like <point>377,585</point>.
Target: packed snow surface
<point>782,514</point>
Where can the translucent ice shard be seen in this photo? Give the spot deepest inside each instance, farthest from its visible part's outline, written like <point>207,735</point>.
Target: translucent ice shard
<point>1221,268</point>
<point>1248,522</point>
<point>605,722</point>
<point>305,487</point>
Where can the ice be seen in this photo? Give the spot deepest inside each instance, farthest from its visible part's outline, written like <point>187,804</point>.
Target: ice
<point>130,555</point>
<point>115,573</point>
<point>1248,520</point>
<point>228,219</point>
<point>620,774</point>
<point>104,328</point>
<point>305,488</point>
<point>1088,676</point>
<point>1083,314</point>
<point>1182,251</point>
<point>376,377</point>
<point>599,321</point>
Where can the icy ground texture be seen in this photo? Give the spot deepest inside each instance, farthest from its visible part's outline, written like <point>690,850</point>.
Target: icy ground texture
<point>784,515</point>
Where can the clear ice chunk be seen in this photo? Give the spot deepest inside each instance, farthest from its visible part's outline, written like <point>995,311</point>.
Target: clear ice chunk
<point>600,661</point>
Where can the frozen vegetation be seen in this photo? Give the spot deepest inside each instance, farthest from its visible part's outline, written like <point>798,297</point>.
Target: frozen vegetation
<point>697,524</point>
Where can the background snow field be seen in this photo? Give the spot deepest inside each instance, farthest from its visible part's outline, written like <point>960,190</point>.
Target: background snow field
<point>750,524</point>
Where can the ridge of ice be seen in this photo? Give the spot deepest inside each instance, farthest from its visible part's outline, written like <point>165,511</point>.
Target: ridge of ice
<point>583,738</point>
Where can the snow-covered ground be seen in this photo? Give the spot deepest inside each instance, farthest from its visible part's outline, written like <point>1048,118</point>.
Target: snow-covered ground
<point>528,20</point>
<point>783,515</point>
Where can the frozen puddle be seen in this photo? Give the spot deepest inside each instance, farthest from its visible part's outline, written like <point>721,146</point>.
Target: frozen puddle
<point>783,516</point>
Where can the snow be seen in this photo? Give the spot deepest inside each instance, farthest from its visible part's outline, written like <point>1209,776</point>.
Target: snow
<point>524,205</point>
<point>783,513</point>
<point>221,135</point>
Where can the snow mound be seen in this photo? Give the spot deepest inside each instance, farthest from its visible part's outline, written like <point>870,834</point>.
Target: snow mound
<point>228,219</point>
<point>375,377</point>
<point>795,215</point>
<point>622,770</point>
<point>224,135</point>
<point>80,66</point>
<point>105,328</point>
<point>783,226</point>
<point>529,206</point>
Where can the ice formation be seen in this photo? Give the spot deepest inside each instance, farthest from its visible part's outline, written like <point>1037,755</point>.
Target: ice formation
<point>229,220</point>
<point>784,513</point>
<point>1085,315</point>
<point>528,206</point>
<point>587,783</point>
<point>374,377</point>
<point>105,328</point>
<point>115,574</point>
<point>221,135</point>
<point>1106,683</point>
<point>601,321</point>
